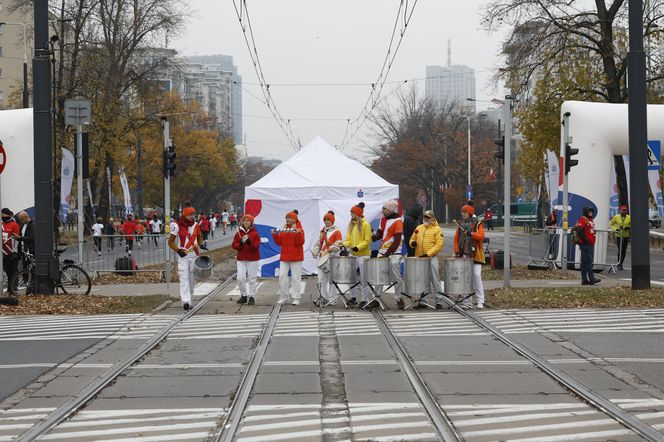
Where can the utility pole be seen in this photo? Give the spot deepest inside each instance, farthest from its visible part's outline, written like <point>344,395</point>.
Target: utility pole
<point>46,264</point>
<point>506,195</point>
<point>638,152</point>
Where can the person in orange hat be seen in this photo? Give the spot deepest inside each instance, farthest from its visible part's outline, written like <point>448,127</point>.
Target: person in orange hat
<point>390,235</point>
<point>247,242</point>
<point>185,240</point>
<point>291,240</point>
<point>329,243</point>
<point>468,241</point>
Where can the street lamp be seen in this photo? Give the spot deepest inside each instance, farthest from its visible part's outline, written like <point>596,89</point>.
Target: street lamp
<point>468,117</point>
<point>26,94</point>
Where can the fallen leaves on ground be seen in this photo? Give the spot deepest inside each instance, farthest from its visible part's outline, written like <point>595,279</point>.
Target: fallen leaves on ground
<point>517,271</point>
<point>62,304</point>
<point>575,297</point>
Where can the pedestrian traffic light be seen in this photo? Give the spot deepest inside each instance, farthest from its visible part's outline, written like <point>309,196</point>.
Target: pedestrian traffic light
<point>500,151</point>
<point>569,162</point>
<point>169,161</point>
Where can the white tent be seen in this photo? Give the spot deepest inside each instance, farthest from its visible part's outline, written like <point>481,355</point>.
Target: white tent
<point>316,179</point>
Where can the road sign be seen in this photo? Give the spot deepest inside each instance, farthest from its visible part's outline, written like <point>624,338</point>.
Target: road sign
<point>469,195</point>
<point>3,158</point>
<point>654,155</point>
<point>469,188</point>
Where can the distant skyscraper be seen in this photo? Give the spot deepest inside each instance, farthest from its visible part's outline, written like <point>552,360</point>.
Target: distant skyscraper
<point>451,83</point>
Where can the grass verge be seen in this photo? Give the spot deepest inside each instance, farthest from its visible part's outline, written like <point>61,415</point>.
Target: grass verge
<point>574,297</point>
<point>82,304</point>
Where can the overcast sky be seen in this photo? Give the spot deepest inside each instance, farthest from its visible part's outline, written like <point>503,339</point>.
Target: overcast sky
<point>341,41</point>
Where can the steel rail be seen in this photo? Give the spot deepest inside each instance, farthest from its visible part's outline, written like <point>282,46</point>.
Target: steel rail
<point>575,386</point>
<point>440,420</point>
<point>232,422</point>
<point>84,395</point>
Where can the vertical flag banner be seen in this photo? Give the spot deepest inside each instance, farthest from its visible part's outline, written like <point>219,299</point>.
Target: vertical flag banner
<point>92,203</point>
<point>125,190</point>
<point>626,161</point>
<point>553,170</point>
<point>66,178</point>
<point>110,187</point>
<point>654,165</point>
<point>614,197</point>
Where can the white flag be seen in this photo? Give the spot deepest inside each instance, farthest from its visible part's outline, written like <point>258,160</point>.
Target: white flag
<point>66,178</point>
<point>552,176</point>
<point>626,161</point>
<point>125,190</point>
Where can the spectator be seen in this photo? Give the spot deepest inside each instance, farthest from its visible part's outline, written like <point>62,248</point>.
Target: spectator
<point>488,218</point>
<point>10,250</point>
<point>97,231</point>
<point>410,222</point>
<point>109,231</point>
<point>585,228</point>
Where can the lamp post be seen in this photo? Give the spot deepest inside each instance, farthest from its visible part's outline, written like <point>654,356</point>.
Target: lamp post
<point>26,94</point>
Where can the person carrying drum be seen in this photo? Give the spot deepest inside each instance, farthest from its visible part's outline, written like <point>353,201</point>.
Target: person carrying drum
<point>428,240</point>
<point>358,241</point>
<point>185,240</point>
<point>390,235</point>
<point>247,242</point>
<point>329,243</point>
<point>291,240</point>
<point>468,241</point>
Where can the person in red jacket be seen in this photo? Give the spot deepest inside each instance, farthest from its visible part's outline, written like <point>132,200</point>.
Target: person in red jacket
<point>205,227</point>
<point>247,242</point>
<point>129,228</point>
<point>291,240</point>
<point>586,230</point>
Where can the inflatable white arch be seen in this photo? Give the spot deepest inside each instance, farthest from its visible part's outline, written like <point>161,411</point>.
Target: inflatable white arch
<point>599,131</point>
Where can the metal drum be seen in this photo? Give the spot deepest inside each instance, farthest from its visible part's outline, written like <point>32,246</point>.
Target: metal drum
<point>203,266</point>
<point>459,276</point>
<point>418,275</point>
<point>377,271</point>
<point>343,269</point>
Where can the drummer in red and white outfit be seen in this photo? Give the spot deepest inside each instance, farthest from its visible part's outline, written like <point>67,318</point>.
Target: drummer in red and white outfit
<point>329,243</point>
<point>185,240</point>
<point>390,234</point>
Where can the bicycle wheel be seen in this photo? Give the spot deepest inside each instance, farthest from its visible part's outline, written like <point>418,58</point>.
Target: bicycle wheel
<point>20,283</point>
<point>74,280</point>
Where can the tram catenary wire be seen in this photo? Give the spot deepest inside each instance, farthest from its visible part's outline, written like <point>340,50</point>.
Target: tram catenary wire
<point>595,400</point>
<point>84,396</point>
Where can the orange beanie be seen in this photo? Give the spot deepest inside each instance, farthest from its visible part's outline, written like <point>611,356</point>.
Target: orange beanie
<point>468,209</point>
<point>357,210</point>
<point>249,217</point>
<point>292,215</point>
<point>329,216</point>
<point>188,211</point>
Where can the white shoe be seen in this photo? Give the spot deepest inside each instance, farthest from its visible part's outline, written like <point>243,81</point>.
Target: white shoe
<point>479,306</point>
<point>296,302</point>
<point>282,300</point>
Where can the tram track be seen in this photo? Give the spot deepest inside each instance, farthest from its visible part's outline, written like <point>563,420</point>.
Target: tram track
<point>92,389</point>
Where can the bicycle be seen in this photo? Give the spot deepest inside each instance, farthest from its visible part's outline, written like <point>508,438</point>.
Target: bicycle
<point>72,279</point>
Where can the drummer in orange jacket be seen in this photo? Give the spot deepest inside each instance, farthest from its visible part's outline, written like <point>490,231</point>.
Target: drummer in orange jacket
<point>329,243</point>
<point>428,240</point>
<point>291,240</point>
<point>468,242</point>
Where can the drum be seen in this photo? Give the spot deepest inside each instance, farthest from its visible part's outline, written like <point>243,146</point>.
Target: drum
<point>377,271</point>
<point>324,263</point>
<point>459,276</point>
<point>203,266</point>
<point>343,269</point>
<point>418,275</point>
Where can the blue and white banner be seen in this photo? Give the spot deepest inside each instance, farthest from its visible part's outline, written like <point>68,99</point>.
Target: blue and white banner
<point>614,197</point>
<point>125,190</point>
<point>66,178</point>
<point>552,176</point>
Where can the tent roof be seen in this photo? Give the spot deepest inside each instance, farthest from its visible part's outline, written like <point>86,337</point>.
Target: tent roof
<point>319,164</point>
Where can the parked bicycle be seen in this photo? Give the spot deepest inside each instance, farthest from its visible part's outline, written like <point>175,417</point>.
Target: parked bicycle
<point>72,279</point>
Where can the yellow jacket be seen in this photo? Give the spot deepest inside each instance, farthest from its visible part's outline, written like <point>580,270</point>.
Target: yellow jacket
<point>360,238</point>
<point>429,239</point>
<point>620,226</point>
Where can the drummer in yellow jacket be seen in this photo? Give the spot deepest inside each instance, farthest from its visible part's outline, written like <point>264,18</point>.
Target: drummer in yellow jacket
<point>427,240</point>
<point>358,241</point>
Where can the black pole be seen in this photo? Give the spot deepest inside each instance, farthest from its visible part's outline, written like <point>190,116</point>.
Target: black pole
<point>638,139</point>
<point>26,94</point>
<point>42,151</point>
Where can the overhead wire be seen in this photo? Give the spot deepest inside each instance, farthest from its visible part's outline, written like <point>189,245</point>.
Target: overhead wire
<point>243,16</point>
<point>379,84</point>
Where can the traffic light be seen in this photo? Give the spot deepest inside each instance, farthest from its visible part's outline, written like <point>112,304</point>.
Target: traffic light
<point>500,151</point>
<point>169,161</point>
<point>569,162</point>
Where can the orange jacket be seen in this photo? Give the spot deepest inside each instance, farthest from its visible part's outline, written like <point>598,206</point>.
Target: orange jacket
<point>478,240</point>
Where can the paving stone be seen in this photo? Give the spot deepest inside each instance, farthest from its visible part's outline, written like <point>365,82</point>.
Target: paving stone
<point>189,386</point>
<point>287,383</point>
<point>496,383</point>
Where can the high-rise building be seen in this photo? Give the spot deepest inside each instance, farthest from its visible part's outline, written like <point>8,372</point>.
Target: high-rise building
<point>12,50</point>
<point>451,83</point>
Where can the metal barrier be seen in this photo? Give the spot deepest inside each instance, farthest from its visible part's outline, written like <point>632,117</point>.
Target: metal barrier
<point>104,253</point>
<point>546,246</point>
